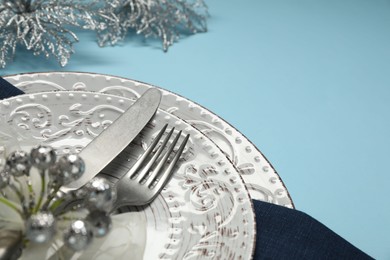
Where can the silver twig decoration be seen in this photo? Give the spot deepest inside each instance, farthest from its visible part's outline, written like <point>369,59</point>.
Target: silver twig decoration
<point>47,27</point>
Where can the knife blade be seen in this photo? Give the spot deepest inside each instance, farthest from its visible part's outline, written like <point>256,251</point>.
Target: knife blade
<point>115,138</point>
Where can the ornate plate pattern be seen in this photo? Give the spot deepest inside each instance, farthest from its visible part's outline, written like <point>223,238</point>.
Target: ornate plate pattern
<point>259,176</point>
<point>205,212</point>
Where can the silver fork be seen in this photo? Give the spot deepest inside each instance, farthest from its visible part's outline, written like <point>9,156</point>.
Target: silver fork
<point>144,181</point>
<point>147,177</point>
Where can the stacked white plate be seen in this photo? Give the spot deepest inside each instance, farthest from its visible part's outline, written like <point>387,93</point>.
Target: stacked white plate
<point>204,212</point>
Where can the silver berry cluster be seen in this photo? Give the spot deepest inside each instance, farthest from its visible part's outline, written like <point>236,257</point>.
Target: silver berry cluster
<point>42,210</point>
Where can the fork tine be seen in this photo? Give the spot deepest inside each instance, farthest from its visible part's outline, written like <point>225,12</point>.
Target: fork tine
<point>139,162</point>
<point>150,163</point>
<point>169,171</point>
<point>163,160</point>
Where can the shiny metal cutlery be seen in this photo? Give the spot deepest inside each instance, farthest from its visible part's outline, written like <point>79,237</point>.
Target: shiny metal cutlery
<point>148,176</point>
<point>97,155</point>
<point>105,147</point>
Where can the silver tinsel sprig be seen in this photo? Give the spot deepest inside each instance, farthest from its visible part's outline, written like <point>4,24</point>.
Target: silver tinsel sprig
<point>42,26</point>
<point>163,19</point>
<point>42,209</point>
<point>46,27</point>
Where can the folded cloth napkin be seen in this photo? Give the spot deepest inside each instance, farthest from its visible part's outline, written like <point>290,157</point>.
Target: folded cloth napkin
<point>8,90</point>
<point>282,233</point>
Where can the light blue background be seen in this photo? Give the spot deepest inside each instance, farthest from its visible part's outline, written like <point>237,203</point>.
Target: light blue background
<point>307,81</point>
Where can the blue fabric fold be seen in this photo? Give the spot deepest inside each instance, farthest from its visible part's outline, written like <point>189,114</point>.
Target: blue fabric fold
<point>282,233</point>
<point>8,90</point>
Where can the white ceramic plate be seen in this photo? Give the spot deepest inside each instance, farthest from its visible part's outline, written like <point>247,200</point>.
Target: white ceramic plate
<point>204,212</point>
<point>259,176</point>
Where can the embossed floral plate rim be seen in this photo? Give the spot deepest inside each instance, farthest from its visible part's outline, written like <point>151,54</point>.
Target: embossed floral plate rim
<point>259,175</point>
<point>243,223</point>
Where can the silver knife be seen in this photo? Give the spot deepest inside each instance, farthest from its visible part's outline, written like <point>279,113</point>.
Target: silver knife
<point>98,154</point>
<point>106,146</point>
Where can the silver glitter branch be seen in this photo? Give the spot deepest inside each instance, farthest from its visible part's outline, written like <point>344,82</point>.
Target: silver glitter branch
<point>164,19</point>
<point>40,26</point>
<point>46,27</point>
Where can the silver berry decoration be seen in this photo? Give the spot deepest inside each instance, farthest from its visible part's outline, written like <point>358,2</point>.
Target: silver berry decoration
<point>100,194</point>
<point>42,157</point>
<point>18,163</point>
<point>78,236</point>
<point>100,222</point>
<point>40,227</point>
<point>39,212</point>
<point>68,168</point>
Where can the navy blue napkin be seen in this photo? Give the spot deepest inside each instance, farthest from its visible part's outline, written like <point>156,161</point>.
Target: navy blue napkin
<point>282,233</point>
<point>8,90</point>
